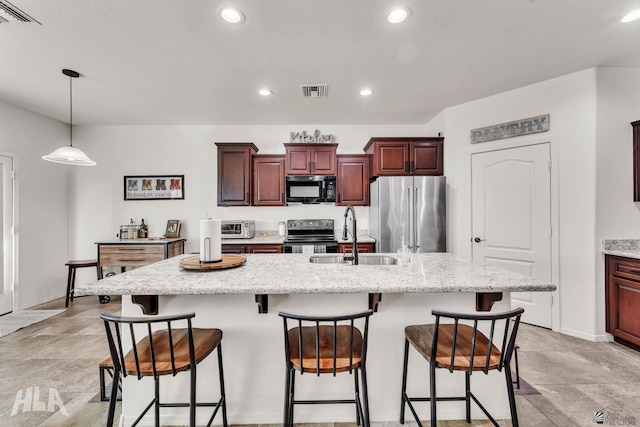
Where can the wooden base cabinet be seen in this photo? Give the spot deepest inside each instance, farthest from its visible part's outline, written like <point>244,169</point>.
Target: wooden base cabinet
<point>622,296</point>
<point>364,248</point>
<point>258,248</point>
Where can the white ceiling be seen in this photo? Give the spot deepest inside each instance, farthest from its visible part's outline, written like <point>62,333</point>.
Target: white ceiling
<point>175,62</point>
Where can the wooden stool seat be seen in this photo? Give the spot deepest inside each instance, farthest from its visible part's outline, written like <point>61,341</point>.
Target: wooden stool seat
<point>205,341</point>
<point>421,337</point>
<point>71,277</point>
<point>159,351</point>
<point>458,346</point>
<point>327,345</point>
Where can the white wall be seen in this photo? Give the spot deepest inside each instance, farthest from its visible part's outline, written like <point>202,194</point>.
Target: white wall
<point>618,216</point>
<point>97,205</point>
<point>571,102</point>
<point>42,205</point>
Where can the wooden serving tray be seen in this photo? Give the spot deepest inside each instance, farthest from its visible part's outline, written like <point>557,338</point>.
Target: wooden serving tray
<point>228,261</point>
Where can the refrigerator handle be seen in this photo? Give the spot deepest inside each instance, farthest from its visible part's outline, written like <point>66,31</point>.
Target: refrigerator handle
<point>416,228</point>
<point>410,217</point>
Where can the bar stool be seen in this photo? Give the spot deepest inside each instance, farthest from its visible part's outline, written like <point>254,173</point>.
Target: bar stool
<point>460,347</point>
<point>327,345</point>
<point>162,352</point>
<point>71,277</point>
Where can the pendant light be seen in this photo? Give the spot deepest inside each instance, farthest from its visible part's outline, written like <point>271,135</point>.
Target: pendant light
<point>70,155</point>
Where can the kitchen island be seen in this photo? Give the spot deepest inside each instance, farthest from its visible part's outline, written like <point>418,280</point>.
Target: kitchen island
<point>253,342</point>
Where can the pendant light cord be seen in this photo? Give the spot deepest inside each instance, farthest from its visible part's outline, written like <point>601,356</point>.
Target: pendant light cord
<point>71,111</point>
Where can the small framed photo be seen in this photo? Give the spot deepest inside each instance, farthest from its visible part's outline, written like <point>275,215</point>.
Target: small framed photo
<point>154,187</point>
<point>173,228</point>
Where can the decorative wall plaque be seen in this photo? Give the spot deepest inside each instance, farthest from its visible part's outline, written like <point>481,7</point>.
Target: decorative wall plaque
<point>304,137</point>
<point>511,129</point>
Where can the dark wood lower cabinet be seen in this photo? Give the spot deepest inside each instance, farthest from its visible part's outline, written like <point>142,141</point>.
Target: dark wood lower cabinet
<point>622,296</point>
<point>363,248</point>
<point>258,248</point>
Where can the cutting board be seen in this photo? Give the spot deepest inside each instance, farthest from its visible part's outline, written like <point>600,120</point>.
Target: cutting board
<point>228,261</point>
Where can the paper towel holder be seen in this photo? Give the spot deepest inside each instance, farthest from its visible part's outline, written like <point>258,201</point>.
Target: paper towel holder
<point>207,252</point>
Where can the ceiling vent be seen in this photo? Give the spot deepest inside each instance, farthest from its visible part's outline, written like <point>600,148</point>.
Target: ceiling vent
<point>315,91</point>
<point>10,14</point>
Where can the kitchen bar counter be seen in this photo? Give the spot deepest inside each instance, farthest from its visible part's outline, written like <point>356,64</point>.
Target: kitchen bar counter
<point>253,351</point>
<point>294,274</point>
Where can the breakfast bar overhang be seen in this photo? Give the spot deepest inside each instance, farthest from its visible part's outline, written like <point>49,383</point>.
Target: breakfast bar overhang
<point>253,342</point>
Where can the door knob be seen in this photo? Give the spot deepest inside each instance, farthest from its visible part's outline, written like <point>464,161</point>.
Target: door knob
<point>478,240</point>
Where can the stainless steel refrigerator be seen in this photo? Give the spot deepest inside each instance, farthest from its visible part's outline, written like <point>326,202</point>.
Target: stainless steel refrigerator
<point>410,206</point>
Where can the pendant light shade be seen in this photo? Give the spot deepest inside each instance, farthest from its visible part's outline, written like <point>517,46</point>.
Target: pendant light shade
<point>70,155</point>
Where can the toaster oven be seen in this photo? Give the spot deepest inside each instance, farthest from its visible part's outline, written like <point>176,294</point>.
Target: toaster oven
<point>243,229</point>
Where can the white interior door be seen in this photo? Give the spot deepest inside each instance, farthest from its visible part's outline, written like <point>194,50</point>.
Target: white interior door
<point>511,210</point>
<point>6,235</point>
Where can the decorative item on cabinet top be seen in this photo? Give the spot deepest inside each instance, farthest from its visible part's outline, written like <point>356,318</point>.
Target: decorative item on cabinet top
<point>154,187</point>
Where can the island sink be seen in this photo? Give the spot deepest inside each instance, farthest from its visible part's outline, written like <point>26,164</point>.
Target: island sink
<point>363,259</point>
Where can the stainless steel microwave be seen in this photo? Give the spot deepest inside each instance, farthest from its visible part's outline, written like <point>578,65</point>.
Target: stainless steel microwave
<point>311,189</point>
<point>238,229</point>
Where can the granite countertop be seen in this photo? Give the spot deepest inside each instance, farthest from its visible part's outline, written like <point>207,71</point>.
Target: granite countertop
<point>294,274</point>
<point>142,241</point>
<point>629,248</point>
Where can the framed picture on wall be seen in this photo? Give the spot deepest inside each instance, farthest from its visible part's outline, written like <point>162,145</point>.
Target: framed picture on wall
<point>173,228</point>
<point>154,187</point>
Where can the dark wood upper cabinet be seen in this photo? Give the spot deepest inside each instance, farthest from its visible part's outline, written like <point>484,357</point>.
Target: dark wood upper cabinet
<point>268,180</point>
<point>310,159</point>
<point>406,155</point>
<point>234,173</point>
<point>353,180</point>
<point>636,161</point>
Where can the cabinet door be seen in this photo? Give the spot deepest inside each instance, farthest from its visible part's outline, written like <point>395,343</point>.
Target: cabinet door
<point>362,247</point>
<point>298,160</point>
<point>426,158</point>
<point>265,249</point>
<point>268,181</point>
<point>233,249</point>
<point>353,180</point>
<point>636,161</point>
<point>391,158</point>
<point>323,160</point>
<point>234,174</point>
<point>623,305</point>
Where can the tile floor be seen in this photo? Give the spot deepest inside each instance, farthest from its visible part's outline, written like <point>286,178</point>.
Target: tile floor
<point>575,378</point>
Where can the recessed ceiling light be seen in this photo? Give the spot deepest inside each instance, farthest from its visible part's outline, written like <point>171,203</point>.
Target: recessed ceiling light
<point>399,14</point>
<point>631,16</point>
<point>265,92</point>
<point>366,92</point>
<point>231,15</point>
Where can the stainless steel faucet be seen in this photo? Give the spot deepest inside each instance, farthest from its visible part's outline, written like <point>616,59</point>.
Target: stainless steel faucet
<point>354,234</point>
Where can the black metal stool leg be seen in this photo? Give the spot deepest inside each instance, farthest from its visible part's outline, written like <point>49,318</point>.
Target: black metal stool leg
<point>69,281</point>
<point>432,396</point>
<point>467,395</point>
<point>404,380</point>
<point>365,397</point>
<point>222,392</point>
<point>512,397</point>
<point>357,398</point>
<point>114,398</point>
